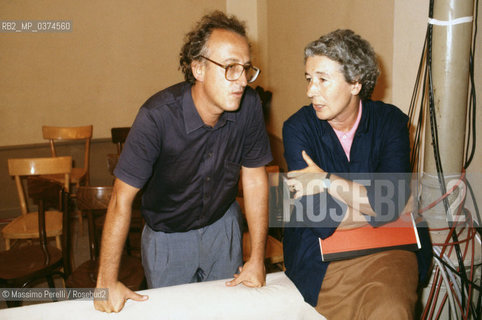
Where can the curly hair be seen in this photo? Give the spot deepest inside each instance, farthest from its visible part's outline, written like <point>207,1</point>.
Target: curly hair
<point>356,56</point>
<point>196,40</point>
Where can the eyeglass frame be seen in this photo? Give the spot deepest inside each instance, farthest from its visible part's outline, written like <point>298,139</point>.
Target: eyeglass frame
<point>246,67</point>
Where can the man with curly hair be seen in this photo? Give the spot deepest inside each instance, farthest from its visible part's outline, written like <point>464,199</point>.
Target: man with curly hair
<point>185,150</point>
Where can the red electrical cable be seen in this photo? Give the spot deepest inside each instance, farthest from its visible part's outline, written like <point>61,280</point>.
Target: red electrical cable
<point>448,246</point>
<point>433,204</point>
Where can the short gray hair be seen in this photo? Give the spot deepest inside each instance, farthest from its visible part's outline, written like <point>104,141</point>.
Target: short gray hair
<point>356,56</point>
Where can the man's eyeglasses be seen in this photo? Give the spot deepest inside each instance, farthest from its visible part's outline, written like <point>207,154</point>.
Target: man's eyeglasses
<point>233,71</point>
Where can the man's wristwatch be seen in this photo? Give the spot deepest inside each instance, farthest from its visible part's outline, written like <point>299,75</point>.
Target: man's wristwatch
<point>327,181</point>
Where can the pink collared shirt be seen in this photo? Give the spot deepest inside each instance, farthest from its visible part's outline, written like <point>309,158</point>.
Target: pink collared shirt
<point>346,138</point>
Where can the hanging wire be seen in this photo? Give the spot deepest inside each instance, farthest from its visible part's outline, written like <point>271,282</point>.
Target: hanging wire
<point>472,113</point>
<point>411,111</point>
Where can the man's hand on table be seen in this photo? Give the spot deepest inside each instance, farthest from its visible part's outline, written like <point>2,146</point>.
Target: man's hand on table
<point>252,274</point>
<point>117,297</point>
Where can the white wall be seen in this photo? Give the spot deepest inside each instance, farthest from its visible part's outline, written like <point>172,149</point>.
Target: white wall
<point>119,53</point>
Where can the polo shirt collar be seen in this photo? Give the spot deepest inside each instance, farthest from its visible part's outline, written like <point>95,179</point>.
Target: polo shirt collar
<point>192,119</point>
<point>230,115</point>
<point>224,118</point>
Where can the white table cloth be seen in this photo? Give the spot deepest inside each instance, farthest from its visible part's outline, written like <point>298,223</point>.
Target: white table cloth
<point>279,299</point>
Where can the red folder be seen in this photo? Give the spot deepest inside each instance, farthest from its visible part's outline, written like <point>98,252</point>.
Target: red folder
<point>350,243</point>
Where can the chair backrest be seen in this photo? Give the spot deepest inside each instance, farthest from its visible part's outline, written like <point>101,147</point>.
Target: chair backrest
<point>35,167</point>
<point>93,198</point>
<point>119,136</point>
<point>53,134</point>
<point>90,199</point>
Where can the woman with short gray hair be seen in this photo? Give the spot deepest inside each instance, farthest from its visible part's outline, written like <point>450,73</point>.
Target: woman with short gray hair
<point>342,135</point>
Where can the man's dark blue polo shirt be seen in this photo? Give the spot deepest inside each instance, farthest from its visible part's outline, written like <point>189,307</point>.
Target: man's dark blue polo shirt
<point>189,172</point>
<point>381,146</point>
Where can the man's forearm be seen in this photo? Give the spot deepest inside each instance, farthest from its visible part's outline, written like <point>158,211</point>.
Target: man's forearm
<point>257,217</point>
<point>115,231</point>
<point>113,239</point>
<point>255,191</point>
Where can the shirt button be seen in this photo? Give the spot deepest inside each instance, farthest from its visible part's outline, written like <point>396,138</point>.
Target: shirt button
<point>210,154</point>
<point>208,178</point>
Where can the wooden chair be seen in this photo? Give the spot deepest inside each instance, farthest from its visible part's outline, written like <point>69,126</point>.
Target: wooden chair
<point>274,247</point>
<point>26,226</point>
<point>94,201</point>
<point>80,175</point>
<point>25,264</point>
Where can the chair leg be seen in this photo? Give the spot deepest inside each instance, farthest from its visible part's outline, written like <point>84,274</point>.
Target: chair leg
<point>58,242</point>
<point>50,282</point>
<point>79,212</point>
<point>81,223</point>
<point>10,243</point>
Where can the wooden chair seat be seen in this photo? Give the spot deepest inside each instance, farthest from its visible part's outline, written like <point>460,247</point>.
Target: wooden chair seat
<point>131,274</point>
<point>26,227</point>
<point>29,260</point>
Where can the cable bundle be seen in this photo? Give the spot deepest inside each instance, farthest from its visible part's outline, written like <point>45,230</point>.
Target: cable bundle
<point>459,288</point>
<point>459,285</point>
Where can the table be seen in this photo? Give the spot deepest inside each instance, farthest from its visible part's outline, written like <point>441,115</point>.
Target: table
<point>279,299</point>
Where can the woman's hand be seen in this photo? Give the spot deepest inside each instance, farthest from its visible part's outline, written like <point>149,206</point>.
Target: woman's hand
<point>307,181</point>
